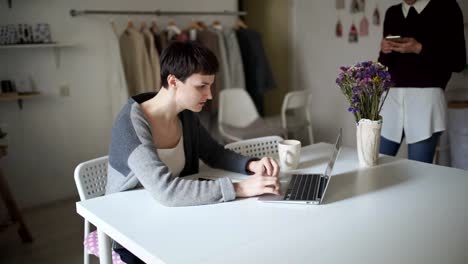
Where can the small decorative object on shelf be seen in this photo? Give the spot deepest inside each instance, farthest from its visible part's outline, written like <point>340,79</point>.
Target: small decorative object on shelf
<point>365,86</point>
<point>23,34</point>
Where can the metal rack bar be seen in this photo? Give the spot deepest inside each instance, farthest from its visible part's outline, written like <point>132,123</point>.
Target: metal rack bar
<point>74,12</point>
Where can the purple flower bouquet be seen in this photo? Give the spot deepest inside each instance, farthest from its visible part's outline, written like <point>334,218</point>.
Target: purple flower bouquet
<point>365,86</point>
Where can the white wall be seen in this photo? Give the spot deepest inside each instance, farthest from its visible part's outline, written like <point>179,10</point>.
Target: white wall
<point>52,134</point>
<point>317,55</point>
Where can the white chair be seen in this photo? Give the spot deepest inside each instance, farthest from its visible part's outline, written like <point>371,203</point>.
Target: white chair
<point>256,147</point>
<point>90,179</point>
<point>238,119</point>
<point>295,102</point>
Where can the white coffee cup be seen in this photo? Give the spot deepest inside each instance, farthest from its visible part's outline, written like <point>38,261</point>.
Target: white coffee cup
<point>289,154</point>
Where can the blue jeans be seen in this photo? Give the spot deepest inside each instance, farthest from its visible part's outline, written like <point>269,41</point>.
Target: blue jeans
<point>421,151</point>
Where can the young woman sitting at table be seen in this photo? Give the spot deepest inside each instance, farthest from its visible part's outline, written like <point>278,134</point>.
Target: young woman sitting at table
<point>157,139</point>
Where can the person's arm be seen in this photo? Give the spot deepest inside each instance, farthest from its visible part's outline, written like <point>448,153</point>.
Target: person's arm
<point>216,156</point>
<point>169,190</point>
<point>265,171</point>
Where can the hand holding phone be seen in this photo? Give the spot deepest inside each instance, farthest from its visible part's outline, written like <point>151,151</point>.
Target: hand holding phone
<point>398,39</point>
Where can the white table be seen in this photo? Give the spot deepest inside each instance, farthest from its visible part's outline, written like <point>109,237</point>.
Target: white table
<point>401,211</point>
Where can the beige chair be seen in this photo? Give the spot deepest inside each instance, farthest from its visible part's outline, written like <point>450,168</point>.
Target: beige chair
<point>295,115</point>
<point>238,119</point>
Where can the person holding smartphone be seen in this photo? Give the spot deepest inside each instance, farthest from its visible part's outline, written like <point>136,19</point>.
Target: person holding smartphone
<point>423,44</point>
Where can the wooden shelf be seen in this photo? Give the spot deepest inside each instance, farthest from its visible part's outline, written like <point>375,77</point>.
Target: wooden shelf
<point>5,97</point>
<point>17,96</point>
<point>458,104</point>
<point>55,46</point>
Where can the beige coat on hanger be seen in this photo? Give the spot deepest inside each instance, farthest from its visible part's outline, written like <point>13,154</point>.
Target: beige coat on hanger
<point>153,58</point>
<point>135,59</point>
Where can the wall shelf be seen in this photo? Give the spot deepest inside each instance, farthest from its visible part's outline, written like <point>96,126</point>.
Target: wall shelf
<point>458,104</point>
<point>56,46</point>
<point>6,97</point>
<point>41,45</point>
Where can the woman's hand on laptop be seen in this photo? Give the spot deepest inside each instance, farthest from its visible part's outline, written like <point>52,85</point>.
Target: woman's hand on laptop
<point>264,180</point>
<point>257,184</point>
<point>265,166</point>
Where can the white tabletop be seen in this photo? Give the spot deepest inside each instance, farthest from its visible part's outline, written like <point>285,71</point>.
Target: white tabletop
<point>398,212</point>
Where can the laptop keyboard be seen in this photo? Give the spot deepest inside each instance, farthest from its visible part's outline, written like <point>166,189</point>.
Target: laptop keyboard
<point>303,187</point>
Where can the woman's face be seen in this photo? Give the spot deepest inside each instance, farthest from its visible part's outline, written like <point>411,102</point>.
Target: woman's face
<point>195,92</point>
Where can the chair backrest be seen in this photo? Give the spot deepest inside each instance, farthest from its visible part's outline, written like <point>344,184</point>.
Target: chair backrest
<point>256,147</point>
<point>297,100</point>
<point>236,108</point>
<point>91,178</point>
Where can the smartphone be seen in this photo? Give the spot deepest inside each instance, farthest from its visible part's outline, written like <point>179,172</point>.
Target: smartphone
<point>394,38</point>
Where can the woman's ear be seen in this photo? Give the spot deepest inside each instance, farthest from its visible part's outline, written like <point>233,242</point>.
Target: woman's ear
<point>171,81</point>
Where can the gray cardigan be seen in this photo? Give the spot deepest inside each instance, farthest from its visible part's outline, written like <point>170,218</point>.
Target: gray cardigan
<point>134,162</point>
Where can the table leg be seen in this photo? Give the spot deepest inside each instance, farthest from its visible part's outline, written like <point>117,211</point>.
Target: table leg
<point>105,250</point>
<point>15,213</point>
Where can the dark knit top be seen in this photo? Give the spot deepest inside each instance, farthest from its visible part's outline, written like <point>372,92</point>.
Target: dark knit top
<point>439,28</point>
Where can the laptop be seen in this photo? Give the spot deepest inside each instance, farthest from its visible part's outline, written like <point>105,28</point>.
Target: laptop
<point>307,188</point>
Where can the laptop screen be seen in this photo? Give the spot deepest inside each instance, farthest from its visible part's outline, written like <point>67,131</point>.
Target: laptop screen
<point>336,149</point>
<point>328,171</point>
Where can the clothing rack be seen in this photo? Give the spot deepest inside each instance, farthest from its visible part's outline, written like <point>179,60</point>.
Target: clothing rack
<point>74,13</point>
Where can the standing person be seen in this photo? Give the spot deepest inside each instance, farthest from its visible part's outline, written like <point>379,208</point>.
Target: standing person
<point>157,139</point>
<point>431,47</point>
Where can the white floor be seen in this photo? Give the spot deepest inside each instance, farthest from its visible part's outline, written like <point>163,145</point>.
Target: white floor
<point>58,235</point>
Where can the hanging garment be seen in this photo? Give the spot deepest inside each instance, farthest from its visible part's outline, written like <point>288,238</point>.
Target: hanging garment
<point>138,71</point>
<point>364,27</point>
<point>160,40</point>
<point>339,29</point>
<point>115,80</point>
<point>354,6</point>
<point>258,74</point>
<point>234,60</point>
<point>153,58</point>
<point>210,40</point>
<point>353,34</point>
<point>376,17</point>
<point>362,5</point>
<point>339,4</point>
<point>223,62</point>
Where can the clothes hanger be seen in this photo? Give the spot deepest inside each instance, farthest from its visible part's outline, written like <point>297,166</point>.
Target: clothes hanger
<point>194,25</point>
<point>240,24</point>
<point>217,25</point>
<point>171,26</point>
<point>129,24</point>
<point>201,24</point>
<point>154,26</point>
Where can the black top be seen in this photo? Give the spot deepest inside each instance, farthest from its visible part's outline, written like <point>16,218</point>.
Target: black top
<point>257,71</point>
<point>439,28</point>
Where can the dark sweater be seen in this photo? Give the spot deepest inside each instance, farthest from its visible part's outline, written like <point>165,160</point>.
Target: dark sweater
<point>439,28</point>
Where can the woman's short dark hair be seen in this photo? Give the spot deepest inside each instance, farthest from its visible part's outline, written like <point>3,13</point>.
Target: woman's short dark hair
<point>184,59</point>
